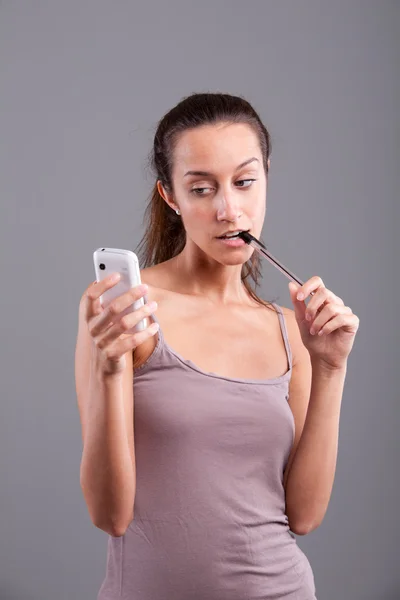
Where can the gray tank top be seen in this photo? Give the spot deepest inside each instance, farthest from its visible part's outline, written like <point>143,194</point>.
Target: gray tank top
<point>209,520</point>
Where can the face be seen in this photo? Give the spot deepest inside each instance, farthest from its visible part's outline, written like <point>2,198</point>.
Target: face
<point>219,186</point>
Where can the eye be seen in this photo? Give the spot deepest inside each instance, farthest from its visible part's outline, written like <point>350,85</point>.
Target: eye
<point>244,181</point>
<point>198,191</point>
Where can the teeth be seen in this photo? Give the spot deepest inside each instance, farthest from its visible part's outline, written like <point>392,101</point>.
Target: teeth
<point>232,235</point>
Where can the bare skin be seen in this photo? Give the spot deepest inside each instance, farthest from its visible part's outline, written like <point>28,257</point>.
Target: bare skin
<point>219,185</point>
<point>205,313</point>
<point>236,340</point>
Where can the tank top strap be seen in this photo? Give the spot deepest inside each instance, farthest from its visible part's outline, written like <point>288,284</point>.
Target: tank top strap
<point>282,323</point>
<point>285,336</point>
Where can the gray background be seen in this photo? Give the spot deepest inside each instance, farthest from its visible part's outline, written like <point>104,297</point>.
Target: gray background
<point>83,86</point>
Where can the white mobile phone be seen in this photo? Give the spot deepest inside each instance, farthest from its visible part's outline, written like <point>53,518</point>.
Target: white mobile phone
<point>125,262</point>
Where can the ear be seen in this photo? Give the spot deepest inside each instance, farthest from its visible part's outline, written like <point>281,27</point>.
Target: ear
<point>269,163</point>
<point>165,195</point>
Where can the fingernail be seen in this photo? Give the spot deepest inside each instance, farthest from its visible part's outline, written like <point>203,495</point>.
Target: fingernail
<point>115,277</point>
<point>300,296</point>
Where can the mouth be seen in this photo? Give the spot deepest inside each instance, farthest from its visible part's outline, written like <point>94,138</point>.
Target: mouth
<point>232,235</point>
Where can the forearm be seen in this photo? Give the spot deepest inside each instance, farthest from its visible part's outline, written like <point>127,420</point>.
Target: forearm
<point>107,473</point>
<point>311,476</point>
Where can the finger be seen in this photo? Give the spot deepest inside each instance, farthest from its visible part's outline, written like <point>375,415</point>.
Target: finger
<point>328,315</point>
<point>123,345</point>
<point>310,286</point>
<point>318,302</point>
<point>106,334</point>
<point>141,336</point>
<point>299,305</point>
<point>95,290</point>
<point>111,314</point>
<point>123,301</point>
<point>341,321</point>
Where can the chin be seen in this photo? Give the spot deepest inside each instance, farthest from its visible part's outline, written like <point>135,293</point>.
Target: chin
<point>236,257</point>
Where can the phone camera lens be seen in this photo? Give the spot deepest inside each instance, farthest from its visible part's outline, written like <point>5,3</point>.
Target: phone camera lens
<point>102,266</point>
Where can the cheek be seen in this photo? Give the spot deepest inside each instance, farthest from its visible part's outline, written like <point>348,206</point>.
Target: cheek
<point>256,212</point>
<point>197,217</point>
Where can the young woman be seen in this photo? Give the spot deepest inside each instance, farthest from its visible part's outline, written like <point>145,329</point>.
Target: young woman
<point>210,437</point>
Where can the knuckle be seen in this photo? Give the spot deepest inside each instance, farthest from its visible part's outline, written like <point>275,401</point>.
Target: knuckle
<point>100,344</point>
<point>125,322</point>
<point>90,294</point>
<point>113,309</point>
<point>110,354</point>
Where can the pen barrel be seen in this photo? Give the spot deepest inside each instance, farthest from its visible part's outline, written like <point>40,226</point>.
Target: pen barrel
<point>261,249</point>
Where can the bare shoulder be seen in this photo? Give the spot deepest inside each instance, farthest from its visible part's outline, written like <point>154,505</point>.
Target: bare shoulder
<point>158,279</point>
<point>288,313</point>
<point>296,343</point>
<point>151,275</point>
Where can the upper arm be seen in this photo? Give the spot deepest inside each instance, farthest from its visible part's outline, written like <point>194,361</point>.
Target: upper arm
<point>299,385</point>
<point>83,356</point>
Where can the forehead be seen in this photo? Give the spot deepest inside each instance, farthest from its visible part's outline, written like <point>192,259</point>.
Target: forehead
<point>215,148</point>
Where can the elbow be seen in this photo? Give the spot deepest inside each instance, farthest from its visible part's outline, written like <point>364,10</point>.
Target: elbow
<point>105,516</point>
<point>299,530</point>
<point>302,524</point>
<point>303,528</point>
<point>115,532</point>
<point>113,529</point>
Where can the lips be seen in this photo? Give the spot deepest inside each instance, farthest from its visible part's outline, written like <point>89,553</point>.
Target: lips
<point>231,235</point>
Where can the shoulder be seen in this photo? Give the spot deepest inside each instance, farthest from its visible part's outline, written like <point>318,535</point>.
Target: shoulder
<point>299,351</point>
<point>158,279</point>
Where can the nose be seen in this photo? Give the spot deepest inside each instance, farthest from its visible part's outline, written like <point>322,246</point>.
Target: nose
<point>227,208</point>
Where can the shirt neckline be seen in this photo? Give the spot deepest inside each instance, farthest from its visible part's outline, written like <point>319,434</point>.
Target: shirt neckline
<point>162,343</point>
<point>191,365</point>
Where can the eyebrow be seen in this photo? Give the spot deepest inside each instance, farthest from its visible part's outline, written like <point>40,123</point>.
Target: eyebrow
<point>208,174</point>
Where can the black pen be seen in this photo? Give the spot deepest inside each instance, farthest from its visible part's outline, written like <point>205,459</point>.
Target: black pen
<point>261,249</point>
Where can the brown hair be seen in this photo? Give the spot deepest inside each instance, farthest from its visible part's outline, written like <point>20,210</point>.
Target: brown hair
<point>165,235</point>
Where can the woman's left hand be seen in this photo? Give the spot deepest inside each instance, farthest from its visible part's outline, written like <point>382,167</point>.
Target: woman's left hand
<point>328,315</point>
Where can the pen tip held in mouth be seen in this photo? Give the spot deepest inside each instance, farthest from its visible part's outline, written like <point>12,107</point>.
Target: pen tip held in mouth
<point>246,236</point>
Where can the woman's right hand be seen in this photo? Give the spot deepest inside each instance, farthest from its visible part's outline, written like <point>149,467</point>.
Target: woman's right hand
<point>109,331</point>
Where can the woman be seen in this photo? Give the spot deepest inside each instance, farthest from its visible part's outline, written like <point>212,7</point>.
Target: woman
<point>212,435</point>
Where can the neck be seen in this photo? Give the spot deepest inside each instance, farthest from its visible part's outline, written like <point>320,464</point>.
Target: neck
<point>200,275</point>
